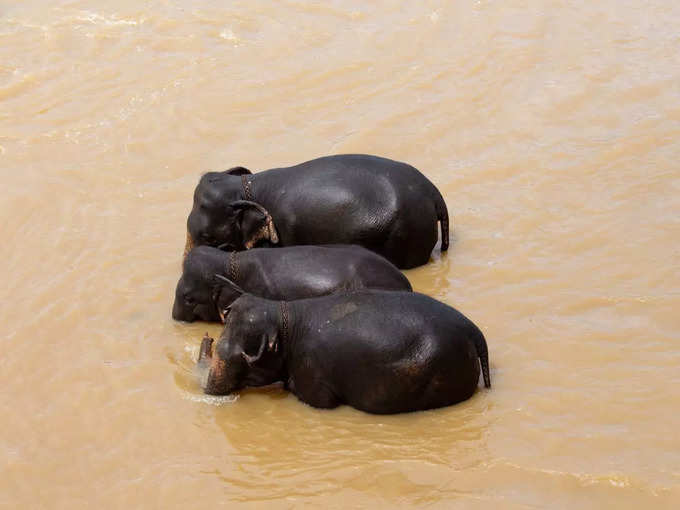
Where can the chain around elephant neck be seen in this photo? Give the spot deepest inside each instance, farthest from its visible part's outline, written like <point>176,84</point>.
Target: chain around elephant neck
<point>232,270</point>
<point>247,189</point>
<point>283,312</point>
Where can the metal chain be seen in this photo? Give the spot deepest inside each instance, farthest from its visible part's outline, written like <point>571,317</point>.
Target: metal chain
<point>233,267</point>
<point>247,191</point>
<point>283,306</point>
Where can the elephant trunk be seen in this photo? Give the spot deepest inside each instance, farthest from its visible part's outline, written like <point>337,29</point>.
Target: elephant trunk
<point>212,371</point>
<point>189,245</point>
<point>205,360</point>
<point>206,348</point>
<point>177,311</point>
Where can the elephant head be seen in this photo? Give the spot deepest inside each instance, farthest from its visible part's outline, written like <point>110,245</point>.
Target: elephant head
<point>201,294</point>
<point>221,218</point>
<point>248,353</point>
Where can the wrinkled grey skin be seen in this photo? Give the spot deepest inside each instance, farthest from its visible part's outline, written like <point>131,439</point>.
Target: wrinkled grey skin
<point>379,351</point>
<point>295,272</point>
<point>386,206</point>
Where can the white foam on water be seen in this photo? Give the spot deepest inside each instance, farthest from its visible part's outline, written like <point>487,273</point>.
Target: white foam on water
<point>229,35</point>
<point>98,19</point>
<point>213,400</point>
<point>193,351</point>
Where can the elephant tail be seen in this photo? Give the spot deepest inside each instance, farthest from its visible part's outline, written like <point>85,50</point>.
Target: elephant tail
<point>443,217</point>
<point>483,353</point>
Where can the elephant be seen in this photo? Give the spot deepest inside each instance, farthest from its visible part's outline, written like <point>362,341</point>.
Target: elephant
<point>381,352</point>
<point>294,272</point>
<point>386,206</point>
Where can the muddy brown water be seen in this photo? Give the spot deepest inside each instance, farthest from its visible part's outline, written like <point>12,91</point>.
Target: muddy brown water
<point>552,129</point>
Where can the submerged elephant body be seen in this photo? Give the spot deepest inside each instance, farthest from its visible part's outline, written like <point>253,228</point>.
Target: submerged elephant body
<point>380,352</point>
<point>384,205</point>
<point>286,273</point>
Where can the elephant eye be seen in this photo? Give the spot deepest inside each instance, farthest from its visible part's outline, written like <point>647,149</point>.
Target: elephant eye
<point>207,238</point>
<point>224,313</point>
<point>227,247</point>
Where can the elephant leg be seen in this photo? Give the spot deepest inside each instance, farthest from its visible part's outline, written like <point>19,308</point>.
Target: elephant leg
<point>410,245</point>
<point>314,393</point>
<point>407,254</point>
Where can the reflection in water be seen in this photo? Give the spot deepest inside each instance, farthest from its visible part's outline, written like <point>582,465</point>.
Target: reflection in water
<point>288,441</point>
<point>319,451</point>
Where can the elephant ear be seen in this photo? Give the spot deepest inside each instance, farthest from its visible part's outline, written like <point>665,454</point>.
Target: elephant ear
<point>255,222</point>
<point>224,281</point>
<point>266,344</point>
<point>238,170</point>
<point>223,307</point>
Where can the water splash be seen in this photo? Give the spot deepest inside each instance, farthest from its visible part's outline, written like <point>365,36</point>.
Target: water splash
<point>211,399</point>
